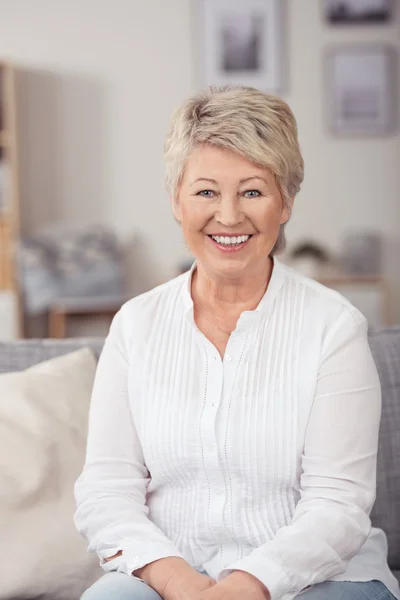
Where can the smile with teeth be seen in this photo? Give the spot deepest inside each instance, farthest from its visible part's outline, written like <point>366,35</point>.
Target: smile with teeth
<point>230,240</point>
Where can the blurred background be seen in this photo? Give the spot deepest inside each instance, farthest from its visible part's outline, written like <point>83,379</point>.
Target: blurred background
<point>86,92</point>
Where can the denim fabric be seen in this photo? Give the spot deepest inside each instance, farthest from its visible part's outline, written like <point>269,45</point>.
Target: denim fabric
<point>348,590</point>
<point>118,586</point>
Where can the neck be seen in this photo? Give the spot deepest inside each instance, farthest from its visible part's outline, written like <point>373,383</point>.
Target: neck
<point>232,294</point>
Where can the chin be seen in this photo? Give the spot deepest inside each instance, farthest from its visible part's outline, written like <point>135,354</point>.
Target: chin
<point>230,267</point>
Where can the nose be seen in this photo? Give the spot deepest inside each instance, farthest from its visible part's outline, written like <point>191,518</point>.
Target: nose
<point>229,211</point>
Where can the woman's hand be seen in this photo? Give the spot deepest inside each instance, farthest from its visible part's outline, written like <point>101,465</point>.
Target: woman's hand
<point>174,579</point>
<point>187,586</point>
<point>237,586</point>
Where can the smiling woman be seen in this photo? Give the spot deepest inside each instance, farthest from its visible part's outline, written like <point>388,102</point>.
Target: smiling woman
<point>234,423</point>
<point>233,167</point>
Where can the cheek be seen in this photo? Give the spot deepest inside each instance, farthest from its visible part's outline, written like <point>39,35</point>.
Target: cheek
<point>268,217</point>
<point>193,217</point>
<point>188,217</point>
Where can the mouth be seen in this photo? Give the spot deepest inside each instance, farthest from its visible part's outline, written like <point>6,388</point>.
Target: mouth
<point>230,243</point>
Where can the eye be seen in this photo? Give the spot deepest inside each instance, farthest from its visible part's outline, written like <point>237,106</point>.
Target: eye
<point>252,194</point>
<point>206,193</point>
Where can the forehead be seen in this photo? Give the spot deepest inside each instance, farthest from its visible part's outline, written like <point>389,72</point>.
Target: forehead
<point>218,163</point>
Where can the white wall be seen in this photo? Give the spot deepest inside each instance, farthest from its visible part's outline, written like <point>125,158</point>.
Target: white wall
<point>349,183</point>
<point>103,77</point>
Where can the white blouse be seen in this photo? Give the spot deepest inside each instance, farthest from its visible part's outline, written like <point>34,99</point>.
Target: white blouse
<point>264,461</point>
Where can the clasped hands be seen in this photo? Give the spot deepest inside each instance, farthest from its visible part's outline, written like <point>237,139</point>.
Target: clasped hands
<point>174,579</point>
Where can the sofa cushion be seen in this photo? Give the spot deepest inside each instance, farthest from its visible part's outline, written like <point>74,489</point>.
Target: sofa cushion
<point>385,347</point>
<point>43,430</point>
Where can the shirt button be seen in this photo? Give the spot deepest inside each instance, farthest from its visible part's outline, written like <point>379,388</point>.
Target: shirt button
<point>228,357</point>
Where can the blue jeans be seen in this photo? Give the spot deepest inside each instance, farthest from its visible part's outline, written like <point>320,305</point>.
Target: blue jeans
<point>117,586</point>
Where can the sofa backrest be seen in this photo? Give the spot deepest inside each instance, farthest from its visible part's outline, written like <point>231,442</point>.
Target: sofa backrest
<point>21,354</point>
<point>385,346</point>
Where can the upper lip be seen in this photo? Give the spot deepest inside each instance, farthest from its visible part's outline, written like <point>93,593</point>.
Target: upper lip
<point>224,234</point>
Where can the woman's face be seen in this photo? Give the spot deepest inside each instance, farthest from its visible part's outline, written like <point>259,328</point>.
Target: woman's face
<point>230,210</point>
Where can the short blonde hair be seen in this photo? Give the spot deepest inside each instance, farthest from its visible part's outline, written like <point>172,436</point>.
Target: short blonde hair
<point>259,126</point>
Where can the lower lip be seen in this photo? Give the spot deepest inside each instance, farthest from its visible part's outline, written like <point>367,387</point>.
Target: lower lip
<point>225,248</point>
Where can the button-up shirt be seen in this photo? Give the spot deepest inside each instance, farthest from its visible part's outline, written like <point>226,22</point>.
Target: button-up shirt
<point>263,461</point>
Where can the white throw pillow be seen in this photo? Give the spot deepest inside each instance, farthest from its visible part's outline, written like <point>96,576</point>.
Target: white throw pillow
<point>43,429</point>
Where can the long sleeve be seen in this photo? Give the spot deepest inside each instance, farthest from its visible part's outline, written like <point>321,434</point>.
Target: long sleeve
<point>331,520</point>
<point>111,491</point>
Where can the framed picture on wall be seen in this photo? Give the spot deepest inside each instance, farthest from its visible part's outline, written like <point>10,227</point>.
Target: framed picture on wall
<point>361,90</point>
<point>242,43</point>
<point>342,12</point>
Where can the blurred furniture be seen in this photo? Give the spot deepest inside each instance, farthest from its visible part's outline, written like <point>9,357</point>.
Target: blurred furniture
<point>71,271</point>
<point>87,307</point>
<point>385,346</point>
<point>10,302</point>
<point>369,293</point>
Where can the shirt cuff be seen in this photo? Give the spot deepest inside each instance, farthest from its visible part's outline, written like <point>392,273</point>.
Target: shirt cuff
<point>266,571</point>
<point>128,561</point>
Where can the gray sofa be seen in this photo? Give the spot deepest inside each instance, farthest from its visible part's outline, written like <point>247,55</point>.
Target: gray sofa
<point>385,346</point>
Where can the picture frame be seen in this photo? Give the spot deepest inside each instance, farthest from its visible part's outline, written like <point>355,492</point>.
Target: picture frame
<point>242,42</point>
<point>358,12</point>
<point>361,90</point>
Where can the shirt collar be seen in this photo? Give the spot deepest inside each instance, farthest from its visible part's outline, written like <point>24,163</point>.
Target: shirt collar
<point>264,306</point>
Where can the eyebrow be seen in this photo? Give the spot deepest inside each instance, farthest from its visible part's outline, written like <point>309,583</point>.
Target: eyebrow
<point>241,181</point>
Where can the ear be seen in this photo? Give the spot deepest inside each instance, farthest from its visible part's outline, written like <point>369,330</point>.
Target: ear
<point>176,208</point>
<point>287,211</point>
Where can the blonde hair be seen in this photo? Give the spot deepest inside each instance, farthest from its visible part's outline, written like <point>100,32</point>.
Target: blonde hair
<point>259,126</point>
